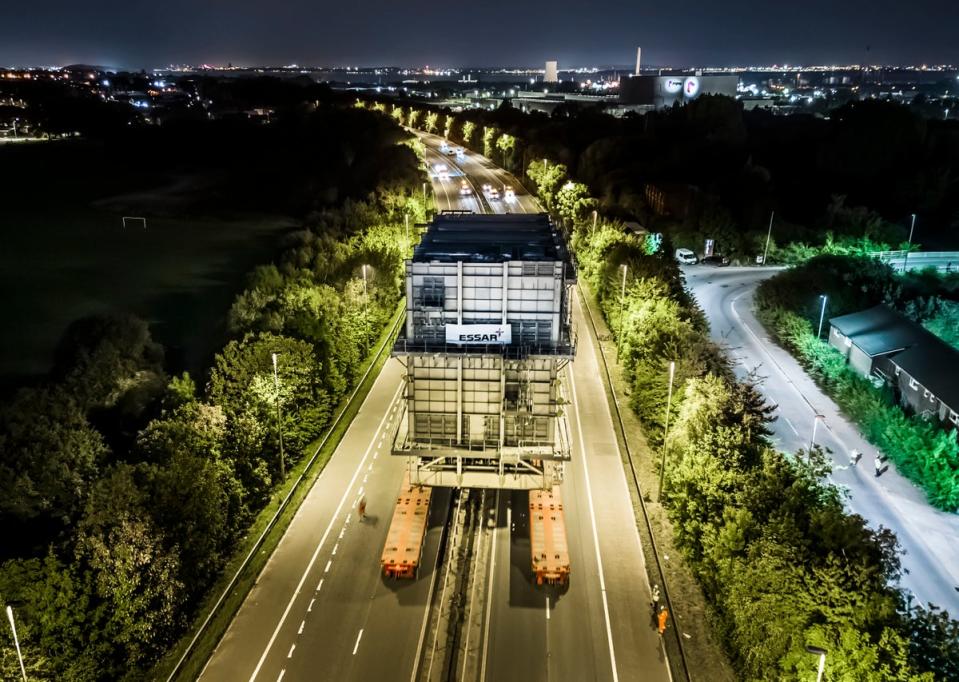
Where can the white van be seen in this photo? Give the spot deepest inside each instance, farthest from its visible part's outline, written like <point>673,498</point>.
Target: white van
<point>686,256</point>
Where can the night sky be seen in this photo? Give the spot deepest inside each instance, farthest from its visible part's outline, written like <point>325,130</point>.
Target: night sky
<point>149,33</point>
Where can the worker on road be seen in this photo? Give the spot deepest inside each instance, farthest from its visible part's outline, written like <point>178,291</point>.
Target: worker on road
<point>663,618</point>
<point>854,457</point>
<point>878,465</point>
<point>655,604</point>
<point>362,507</point>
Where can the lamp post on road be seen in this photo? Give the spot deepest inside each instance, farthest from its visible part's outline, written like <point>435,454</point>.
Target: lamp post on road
<point>822,315</point>
<point>815,423</point>
<point>905,258</point>
<point>595,217</point>
<point>279,424</point>
<point>16,641</point>
<point>365,292</point>
<point>769,233</point>
<point>622,297</point>
<point>669,400</point>
<point>817,651</point>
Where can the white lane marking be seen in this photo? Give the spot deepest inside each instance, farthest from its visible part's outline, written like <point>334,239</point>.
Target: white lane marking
<point>592,519</point>
<point>790,425</point>
<point>302,625</point>
<point>358,638</point>
<point>316,552</point>
<point>489,586</point>
<point>342,533</point>
<point>547,608</point>
<point>335,547</point>
<point>365,477</point>
<point>292,647</point>
<point>319,585</point>
<point>328,564</point>
<point>308,608</point>
<point>282,673</point>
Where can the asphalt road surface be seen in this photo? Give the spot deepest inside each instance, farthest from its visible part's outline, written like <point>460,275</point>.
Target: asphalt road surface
<point>928,536</point>
<point>599,626</point>
<point>321,610</point>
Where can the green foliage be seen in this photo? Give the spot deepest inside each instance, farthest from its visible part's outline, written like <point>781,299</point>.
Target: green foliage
<point>547,178</point>
<point>431,121</point>
<point>489,134</point>
<point>944,323</point>
<point>133,528</point>
<point>51,455</point>
<point>468,129</point>
<point>780,561</point>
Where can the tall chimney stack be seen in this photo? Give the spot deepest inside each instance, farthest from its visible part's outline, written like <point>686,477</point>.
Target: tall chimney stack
<point>639,59</point>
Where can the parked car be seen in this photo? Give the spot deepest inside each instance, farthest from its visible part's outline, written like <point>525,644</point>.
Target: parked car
<point>686,256</point>
<point>715,260</point>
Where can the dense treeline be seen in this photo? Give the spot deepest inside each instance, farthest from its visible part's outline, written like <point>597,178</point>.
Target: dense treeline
<point>781,563</point>
<point>123,490</point>
<point>921,449</point>
<point>854,176</point>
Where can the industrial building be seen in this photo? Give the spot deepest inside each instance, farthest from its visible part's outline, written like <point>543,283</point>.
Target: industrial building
<point>664,91</point>
<point>488,332</point>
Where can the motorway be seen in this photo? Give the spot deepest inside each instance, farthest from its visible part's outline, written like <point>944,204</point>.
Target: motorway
<point>321,610</point>
<point>928,536</point>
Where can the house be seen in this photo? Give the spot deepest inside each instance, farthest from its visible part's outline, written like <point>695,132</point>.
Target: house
<point>869,338</point>
<point>927,378</point>
<point>923,369</point>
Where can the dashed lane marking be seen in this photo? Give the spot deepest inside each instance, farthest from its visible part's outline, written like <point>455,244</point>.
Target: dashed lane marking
<point>358,638</point>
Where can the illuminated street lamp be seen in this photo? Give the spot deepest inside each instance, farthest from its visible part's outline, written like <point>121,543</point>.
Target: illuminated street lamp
<point>822,314</point>
<point>769,234</point>
<point>905,258</point>
<point>816,651</point>
<point>669,400</point>
<point>365,292</point>
<point>815,423</point>
<point>16,642</point>
<point>279,427</point>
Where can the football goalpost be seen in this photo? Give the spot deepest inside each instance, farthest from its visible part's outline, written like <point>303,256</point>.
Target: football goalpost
<point>130,220</point>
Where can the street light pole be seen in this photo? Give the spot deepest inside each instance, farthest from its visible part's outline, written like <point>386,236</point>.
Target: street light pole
<point>365,293</point>
<point>622,297</point>
<point>815,423</point>
<point>279,427</point>
<point>905,259</point>
<point>822,315</point>
<point>769,234</point>
<point>817,651</point>
<point>16,642</point>
<point>595,216</point>
<point>669,400</point>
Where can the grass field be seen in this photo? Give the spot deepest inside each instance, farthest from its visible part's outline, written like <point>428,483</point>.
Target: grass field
<point>180,274</point>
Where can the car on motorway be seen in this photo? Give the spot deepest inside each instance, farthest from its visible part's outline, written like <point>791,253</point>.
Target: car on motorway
<point>686,256</point>
<point>444,146</point>
<point>509,194</point>
<point>465,189</point>
<point>716,260</point>
<point>459,152</point>
<point>450,152</point>
<point>492,193</point>
<point>442,171</point>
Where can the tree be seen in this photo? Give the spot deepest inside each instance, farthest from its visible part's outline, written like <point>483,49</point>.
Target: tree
<point>574,203</point>
<point>432,119</point>
<point>241,382</point>
<point>468,129</point>
<point>49,455</point>
<point>397,114</point>
<point>548,177</point>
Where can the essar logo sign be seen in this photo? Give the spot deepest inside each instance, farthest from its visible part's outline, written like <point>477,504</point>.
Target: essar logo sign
<point>691,87</point>
<point>479,333</point>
